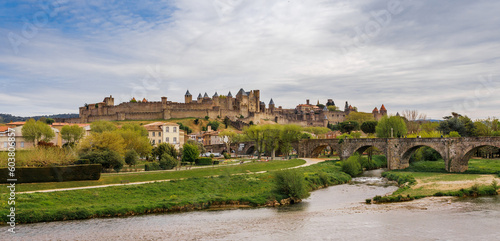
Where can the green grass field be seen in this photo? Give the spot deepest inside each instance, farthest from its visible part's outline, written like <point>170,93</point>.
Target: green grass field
<point>116,178</point>
<point>179,195</point>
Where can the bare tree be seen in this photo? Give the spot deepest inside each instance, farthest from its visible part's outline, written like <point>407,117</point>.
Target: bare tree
<point>413,120</point>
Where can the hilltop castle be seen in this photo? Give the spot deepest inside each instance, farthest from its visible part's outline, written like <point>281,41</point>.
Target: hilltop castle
<point>244,107</point>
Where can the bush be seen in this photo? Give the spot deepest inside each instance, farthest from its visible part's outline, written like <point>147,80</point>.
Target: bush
<point>168,162</point>
<point>131,157</point>
<point>190,153</point>
<point>164,148</point>
<point>203,161</point>
<point>152,166</point>
<point>55,174</point>
<point>291,183</point>
<point>400,178</point>
<point>108,159</point>
<point>226,155</point>
<point>352,165</point>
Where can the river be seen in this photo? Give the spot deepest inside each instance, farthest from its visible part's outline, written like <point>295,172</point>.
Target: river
<point>334,213</point>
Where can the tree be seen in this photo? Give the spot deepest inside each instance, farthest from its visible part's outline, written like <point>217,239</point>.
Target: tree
<point>332,108</point>
<point>271,138</point>
<point>348,126</point>
<point>102,126</point>
<point>316,130</point>
<point>135,127</point>
<point>107,158</point>
<point>289,134</point>
<point>200,146</point>
<point>49,121</point>
<point>359,117</point>
<point>413,118</point>
<point>189,153</point>
<point>131,157</point>
<point>368,127</point>
<point>72,134</point>
<point>389,127</point>
<point>461,124</point>
<point>111,141</point>
<point>164,148</point>
<point>36,131</point>
<point>228,138</point>
<point>227,121</point>
<point>168,162</point>
<point>256,134</point>
<point>214,125</point>
<point>134,139</point>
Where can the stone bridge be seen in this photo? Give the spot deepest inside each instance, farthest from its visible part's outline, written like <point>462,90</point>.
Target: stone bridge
<point>243,148</point>
<point>455,152</point>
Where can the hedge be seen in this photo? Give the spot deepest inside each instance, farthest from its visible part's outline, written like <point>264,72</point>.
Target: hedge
<point>204,161</point>
<point>53,174</point>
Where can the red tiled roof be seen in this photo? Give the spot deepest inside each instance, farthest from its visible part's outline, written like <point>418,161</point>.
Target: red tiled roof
<point>3,128</point>
<point>375,110</point>
<point>382,107</point>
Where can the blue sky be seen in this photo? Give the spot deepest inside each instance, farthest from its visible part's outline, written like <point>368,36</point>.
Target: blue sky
<point>433,56</point>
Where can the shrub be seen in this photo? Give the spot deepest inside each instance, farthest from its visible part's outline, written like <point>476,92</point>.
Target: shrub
<point>206,117</point>
<point>152,166</point>
<point>168,162</point>
<point>226,155</point>
<point>352,165</point>
<point>54,174</point>
<point>203,161</point>
<point>164,148</point>
<point>190,153</point>
<point>108,159</point>
<point>131,157</point>
<point>291,183</point>
<point>400,178</point>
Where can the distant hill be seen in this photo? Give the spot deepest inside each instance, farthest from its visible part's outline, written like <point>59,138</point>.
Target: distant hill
<point>6,118</point>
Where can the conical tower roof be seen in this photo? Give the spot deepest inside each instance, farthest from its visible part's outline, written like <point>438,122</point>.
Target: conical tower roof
<point>199,96</point>
<point>382,107</point>
<point>215,95</point>
<point>271,102</point>
<point>229,94</point>
<point>187,93</point>
<point>206,95</point>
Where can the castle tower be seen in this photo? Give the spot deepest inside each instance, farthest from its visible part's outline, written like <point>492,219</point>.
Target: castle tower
<point>164,100</point>
<point>271,105</point>
<point>346,108</point>
<point>383,111</point>
<point>215,98</point>
<point>206,96</point>
<point>109,101</point>
<point>199,98</point>
<point>230,101</point>
<point>188,97</point>
<point>375,113</point>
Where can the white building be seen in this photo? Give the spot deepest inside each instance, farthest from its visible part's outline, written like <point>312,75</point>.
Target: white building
<point>161,132</point>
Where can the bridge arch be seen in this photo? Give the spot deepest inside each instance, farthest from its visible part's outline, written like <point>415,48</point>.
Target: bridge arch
<point>462,164</point>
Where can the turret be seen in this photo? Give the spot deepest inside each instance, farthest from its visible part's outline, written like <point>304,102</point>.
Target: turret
<point>383,111</point>
<point>271,105</point>
<point>188,97</point>
<point>200,98</point>
<point>215,98</point>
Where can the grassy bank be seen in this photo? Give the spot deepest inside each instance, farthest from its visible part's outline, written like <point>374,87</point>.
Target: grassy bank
<point>188,194</point>
<point>426,178</point>
<point>112,178</point>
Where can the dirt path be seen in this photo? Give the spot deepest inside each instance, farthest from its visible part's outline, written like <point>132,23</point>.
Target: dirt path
<point>454,185</point>
<point>309,161</point>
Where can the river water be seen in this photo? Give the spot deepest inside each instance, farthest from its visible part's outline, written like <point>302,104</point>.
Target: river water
<point>334,213</point>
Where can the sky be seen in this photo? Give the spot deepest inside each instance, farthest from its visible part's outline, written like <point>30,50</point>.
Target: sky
<point>432,56</point>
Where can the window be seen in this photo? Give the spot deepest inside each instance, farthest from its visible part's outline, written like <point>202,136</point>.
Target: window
<point>167,140</point>
<point>153,141</point>
<point>159,141</point>
<point>175,139</point>
<point>22,144</point>
<point>159,133</point>
<point>5,144</point>
<point>154,133</point>
<point>175,129</point>
<point>167,129</point>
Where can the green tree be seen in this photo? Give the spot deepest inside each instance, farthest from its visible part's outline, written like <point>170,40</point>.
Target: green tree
<point>348,126</point>
<point>200,146</point>
<point>256,134</point>
<point>271,138</point>
<point>429,126</point>
<point>316,130</point>
<point>102,126</point>
<point>164,148</point>
<point>190,153</point>
<point>454,134</point>
<point>291,183</point>
<point>36,131</point>
<point>332,108</point>
<point>227,122</point>
<point>369,127</point>
<point>289,134</point>
<point>461,124</point>
<point>214,125</point>
<point>136,127</point>
<point>111,141</point>
<point>393,126</point>
<point>168,162</point>
<point>72,134</point>
<point>131,157</point>
<point>49,121</point>
<point>134,139</point>
<point>352,165</point>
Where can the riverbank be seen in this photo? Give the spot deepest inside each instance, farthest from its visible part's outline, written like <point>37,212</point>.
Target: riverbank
<point>426,179</point>
<point>177,195</point>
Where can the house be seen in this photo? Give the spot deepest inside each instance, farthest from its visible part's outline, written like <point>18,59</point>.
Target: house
<point>160,132</point>
<point>22,143</point>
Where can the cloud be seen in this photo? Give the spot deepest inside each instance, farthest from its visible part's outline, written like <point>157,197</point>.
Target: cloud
<point>427,57</point>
